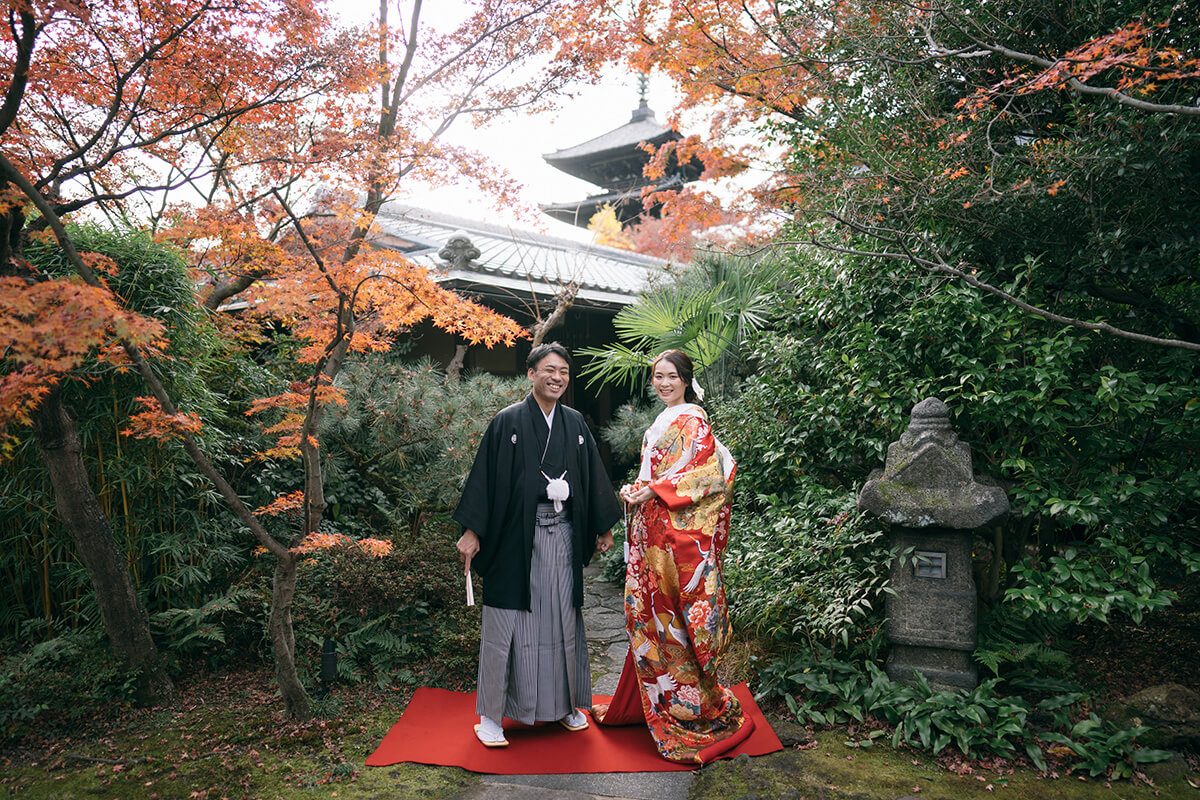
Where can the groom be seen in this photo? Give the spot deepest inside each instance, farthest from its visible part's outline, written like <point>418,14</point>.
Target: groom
<point>536,505</point>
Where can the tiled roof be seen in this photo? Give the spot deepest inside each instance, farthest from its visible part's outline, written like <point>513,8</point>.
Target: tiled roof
<point>643,127</point>
<point>515,260</point>
<point>626,205</point>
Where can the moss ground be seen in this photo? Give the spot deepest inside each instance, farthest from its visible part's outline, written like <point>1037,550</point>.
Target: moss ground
<point>829,770</point>
<point>228,739</point>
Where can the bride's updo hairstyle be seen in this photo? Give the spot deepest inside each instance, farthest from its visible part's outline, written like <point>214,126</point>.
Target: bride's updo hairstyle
<point>683,365</point>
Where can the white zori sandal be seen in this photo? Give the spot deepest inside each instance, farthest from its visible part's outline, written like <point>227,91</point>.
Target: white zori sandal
<point>490,734</point>
<point>575,721</point>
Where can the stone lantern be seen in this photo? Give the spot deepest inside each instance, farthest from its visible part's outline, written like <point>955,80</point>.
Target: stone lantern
<point>928,494</point>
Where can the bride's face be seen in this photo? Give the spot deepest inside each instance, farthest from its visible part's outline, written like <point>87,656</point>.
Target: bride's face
<point>667,383</point>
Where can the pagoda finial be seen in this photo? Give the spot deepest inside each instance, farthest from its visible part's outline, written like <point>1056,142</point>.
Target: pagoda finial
<point>643,110</point>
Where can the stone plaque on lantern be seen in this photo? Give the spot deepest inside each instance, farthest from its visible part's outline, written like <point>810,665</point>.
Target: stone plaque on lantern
<point>928,494</point>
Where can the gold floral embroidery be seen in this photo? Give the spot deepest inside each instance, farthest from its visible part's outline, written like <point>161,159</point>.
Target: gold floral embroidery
<point>663,565</point>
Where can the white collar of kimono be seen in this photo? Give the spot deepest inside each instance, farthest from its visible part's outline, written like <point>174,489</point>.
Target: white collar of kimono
<point>658,428</point>
<point>557,489</point>
<point>549,427</point>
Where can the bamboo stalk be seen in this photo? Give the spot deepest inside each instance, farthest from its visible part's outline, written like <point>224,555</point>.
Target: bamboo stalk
<point>102,492</point>
<point>10,565</point>
<point>44,571</point>
<point>18,588</point>
<point>124,498</point>
<point>174,532</point>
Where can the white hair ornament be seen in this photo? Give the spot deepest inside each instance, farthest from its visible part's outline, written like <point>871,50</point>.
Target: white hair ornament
<point>696,388</point>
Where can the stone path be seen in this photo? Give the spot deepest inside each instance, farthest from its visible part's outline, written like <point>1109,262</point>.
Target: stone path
<point>604,614</point>
<point>605,617</point>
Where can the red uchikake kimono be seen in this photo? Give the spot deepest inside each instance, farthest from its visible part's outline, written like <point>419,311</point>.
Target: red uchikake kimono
<point>675,612</point>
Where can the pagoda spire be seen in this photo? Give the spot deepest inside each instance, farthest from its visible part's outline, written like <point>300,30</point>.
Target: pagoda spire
<point>642,112</point>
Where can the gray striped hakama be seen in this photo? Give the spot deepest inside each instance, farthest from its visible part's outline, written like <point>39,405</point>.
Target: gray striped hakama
<point>533,665</point>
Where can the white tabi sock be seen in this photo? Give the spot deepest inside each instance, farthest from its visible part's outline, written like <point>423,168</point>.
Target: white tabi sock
<point>489,730</point>
<point>575,719</point>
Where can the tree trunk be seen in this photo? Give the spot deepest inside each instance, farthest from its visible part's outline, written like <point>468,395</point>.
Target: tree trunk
<point>283,638</point>
<point>455,367</point>
<point>124,616</point>
<point>562,302</point>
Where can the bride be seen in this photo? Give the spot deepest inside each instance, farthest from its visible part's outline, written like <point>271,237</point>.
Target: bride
<point>675,611</point>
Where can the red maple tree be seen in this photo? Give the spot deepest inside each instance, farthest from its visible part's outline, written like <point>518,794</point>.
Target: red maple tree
<point>239,131</point>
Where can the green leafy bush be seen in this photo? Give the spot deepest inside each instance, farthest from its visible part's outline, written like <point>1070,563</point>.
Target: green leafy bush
<point>807,568</point>
<point>1078,429</point>
<point>394,619</point>
<point>1092,584</point>
<point>59,681</point>
<point>391,617</point>
<point>981,722</point>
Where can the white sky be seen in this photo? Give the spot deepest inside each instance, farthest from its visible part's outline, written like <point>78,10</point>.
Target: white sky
<point>518,142</point>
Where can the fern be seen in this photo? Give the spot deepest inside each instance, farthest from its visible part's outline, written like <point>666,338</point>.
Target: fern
<point>1007,637</point>
<point>190,631</point>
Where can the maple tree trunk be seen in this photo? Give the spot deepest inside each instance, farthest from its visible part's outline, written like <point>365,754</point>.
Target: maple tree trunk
<point>283,638</point>
<point>12,222</point>
<point>310,452</point>
<point>124,616</point>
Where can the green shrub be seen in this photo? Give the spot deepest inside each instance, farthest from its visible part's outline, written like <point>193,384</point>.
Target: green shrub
<point>625,431</point>
<point>1108,578</point>
<point>397,619</point>
<point>1082,432</point>
<point>981,722</point>
<point>59,681</point>
<point>401,618</point>
<point>807,569</point>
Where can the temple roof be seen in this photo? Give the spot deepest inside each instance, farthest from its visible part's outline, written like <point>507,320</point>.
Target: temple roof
<point>613,159</point>
<point>628,206</point>
<point>509,262</point>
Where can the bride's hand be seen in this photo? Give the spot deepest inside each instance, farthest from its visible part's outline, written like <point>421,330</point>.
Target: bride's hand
<point>636,496</point>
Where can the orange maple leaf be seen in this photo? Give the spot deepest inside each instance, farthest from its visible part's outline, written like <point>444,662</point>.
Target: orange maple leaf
<point>154,423</point>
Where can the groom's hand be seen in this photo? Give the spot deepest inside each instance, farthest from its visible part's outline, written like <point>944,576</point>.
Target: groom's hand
<point>468,546</point>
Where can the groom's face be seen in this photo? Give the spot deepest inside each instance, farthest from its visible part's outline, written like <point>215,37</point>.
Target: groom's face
<point>550,378</point>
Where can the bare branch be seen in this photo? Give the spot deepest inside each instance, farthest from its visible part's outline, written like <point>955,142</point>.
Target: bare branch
<point>387,124</point>
<point>229,287</point>
<point>1074,83</point>
<point>562,302</point>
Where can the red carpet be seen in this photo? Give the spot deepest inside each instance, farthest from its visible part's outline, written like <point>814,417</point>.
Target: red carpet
<point>436,728</point>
